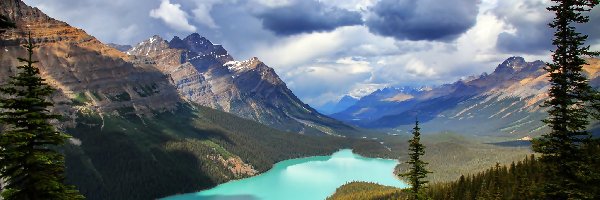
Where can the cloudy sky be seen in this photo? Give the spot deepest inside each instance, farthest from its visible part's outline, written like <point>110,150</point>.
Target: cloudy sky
<point>324,49</point>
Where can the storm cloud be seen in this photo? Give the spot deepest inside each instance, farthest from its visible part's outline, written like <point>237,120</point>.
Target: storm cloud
<point>306,17</point>
<point>423,20</point>
<point>530,33</point>
<point>529,22</point>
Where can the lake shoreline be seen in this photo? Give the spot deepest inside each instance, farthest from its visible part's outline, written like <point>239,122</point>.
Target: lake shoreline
<point>331,169</point>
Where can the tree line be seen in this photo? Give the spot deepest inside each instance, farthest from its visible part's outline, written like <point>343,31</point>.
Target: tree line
<point>569,164</point>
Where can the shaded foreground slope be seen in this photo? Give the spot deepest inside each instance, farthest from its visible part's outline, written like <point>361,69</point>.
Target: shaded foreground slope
<point>193,148</point>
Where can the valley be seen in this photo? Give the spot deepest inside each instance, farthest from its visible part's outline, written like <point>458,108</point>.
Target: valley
<point>181,118</point>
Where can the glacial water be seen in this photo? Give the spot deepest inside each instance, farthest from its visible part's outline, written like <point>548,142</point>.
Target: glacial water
<point>303,179</point>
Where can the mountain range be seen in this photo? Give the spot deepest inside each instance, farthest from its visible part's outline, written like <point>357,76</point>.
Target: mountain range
<point>172,116</point>
<point>206,74</point>
<point>506,102</point>
<point>151,124</point>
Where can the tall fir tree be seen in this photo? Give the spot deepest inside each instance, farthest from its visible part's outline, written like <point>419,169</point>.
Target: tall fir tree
<point>417,172</point>
<point>29,161</point>
<point>572,101</point>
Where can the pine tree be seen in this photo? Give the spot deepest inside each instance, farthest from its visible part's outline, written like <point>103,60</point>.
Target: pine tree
<point>417,171</point>
<point>29,162</point>
<point>570,101</point>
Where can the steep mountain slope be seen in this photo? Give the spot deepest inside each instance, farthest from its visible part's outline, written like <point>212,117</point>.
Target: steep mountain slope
<point>134,137</point>
<point>505,101</point>
<point>81,67</point>
<point>206,74</point>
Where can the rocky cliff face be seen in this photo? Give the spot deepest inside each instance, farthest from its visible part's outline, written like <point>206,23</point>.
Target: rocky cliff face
<point>154,75</point>
<point>87,73</point>
<point>206,74</point>
<point>506,101</point>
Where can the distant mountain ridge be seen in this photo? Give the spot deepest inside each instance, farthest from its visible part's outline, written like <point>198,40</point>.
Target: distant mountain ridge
<point>505,102</point>
<point>377,104</point>
<point>333,107</point>
<point>120,47</point>
<point>206,74</point>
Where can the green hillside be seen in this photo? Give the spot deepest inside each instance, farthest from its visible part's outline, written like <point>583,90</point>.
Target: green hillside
<point>123,156</point>
<point>521,180</point>
<point>367,191</point>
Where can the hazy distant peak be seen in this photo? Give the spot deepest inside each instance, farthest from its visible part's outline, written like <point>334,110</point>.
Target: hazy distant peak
<point>120,47</point>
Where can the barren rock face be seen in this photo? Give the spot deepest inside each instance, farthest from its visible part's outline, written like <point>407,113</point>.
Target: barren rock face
<point>81,67</point>
<point>206,74</point>
<point>153,75</point>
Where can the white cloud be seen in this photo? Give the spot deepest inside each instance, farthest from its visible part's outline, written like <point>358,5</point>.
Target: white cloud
<point>274,3</point>
<point>203,9</point>
<point>173,16</point>
<point>354,5</point>
<point>363,89</point>
<point>416,67</point>
<point>299,49</point>
<point>202,15</point>
<point>326,80</point>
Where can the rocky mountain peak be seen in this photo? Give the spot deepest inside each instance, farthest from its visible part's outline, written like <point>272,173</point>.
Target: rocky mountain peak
<point>155,38</point>
<point>206,74</point>
<point>148,46</point>
<point>193,42</point>
<point>177,43</point>
<point>511,65</point>
<point>19,11</point>
<point>196,47</point>
<point>516,64</point>
<point>46,30</point>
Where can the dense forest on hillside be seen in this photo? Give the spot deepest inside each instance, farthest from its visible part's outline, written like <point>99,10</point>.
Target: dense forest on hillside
<point>186,150</point>
<point>521,180</point>
<point>467,154</point>
<point>367,191</point>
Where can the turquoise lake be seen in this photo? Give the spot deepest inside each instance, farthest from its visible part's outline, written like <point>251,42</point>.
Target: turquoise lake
<point>303,179</point>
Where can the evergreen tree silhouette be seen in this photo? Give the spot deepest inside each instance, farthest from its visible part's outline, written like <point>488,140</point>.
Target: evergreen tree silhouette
<point>572,101</point>
<point>417,172</point>
<point>29,161</point>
